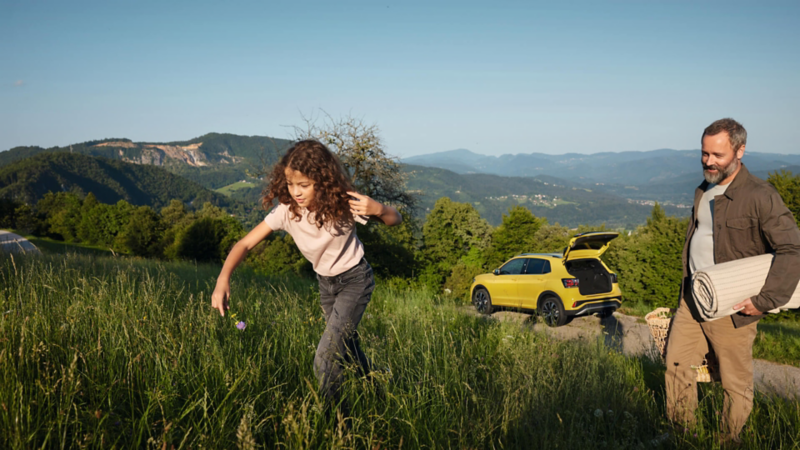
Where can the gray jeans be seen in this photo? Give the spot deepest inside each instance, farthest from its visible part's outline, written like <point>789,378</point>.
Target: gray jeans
<point>344,298</point>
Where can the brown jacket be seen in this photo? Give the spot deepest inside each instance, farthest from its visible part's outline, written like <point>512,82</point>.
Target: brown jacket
<point>750,219</point>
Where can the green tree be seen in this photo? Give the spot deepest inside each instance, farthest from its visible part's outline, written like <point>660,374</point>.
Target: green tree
<point>515,235</point>
<point>212,212</point>
<point>114,220</point>
<point>7,212</point>
<point>173,214</point>
<point>89,228</point>
<point>200,241</point>
<point>450,232</point>
<point>460,278</point>
<point>175,219</point>
<point>361,150</point>
<point>26,220</point>
<point>142,234</point>
<point>63,213</point>
<point>208,239</point>
<point>278,255</point>
<point>551,239</point>
<point>788,186</point>
<point>648,262</point>
<point>391,251</point>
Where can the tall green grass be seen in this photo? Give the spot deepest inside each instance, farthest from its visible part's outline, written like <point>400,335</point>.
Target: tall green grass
<point>109,353</point>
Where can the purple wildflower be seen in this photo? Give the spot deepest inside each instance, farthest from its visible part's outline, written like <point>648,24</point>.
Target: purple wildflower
<point>241,325</point>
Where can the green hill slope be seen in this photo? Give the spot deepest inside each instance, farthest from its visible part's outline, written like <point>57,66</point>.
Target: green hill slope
<point>27,180</point>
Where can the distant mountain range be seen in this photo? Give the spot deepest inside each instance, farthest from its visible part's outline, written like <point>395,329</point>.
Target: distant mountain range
<point>660,175</point>
<point>632,168</point>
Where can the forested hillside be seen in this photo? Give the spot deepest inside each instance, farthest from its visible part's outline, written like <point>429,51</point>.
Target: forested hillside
<point>28,180</point>
<point>207,150</point>
<point>213,160</point>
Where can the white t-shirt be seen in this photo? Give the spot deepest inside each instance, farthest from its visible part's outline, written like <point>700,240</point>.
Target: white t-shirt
<point>331,250</point>
<point>701,249</point>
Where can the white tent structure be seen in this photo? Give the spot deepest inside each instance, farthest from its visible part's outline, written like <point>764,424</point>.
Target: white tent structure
<point>14,243</point>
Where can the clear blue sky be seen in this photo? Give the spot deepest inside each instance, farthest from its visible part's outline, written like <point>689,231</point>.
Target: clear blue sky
<point>490,77</point>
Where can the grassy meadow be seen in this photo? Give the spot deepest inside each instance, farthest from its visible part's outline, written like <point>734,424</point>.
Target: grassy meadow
<point>103,352</point>
<point>231,188</point>
<point>778,342</point>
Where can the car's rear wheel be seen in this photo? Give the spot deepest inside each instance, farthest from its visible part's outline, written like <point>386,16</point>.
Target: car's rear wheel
<point>552,311</point>
<point>482,301</point>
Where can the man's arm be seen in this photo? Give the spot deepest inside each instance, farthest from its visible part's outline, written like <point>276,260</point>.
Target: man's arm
<point>780,230</point>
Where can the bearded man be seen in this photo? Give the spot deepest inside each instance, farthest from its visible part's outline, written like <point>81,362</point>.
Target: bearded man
<point>736,215</point>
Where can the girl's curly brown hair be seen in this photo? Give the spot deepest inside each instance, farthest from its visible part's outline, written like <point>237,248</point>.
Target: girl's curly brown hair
<point>315,161</point>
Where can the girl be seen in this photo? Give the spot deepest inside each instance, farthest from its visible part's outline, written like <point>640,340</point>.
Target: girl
<point>318,208</point>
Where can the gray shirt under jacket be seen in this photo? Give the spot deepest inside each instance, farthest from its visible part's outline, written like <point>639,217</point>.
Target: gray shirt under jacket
<point>701,250</point>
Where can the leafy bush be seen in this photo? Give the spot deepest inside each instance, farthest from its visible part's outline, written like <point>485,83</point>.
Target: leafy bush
<point>278,256</point>
<point>460,280</point>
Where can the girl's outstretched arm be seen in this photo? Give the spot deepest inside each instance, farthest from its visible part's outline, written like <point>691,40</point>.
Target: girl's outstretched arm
<point>363,205</point>
<point>221,296</point>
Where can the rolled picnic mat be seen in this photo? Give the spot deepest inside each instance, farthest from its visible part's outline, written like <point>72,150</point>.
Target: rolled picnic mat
<point>718,288</point>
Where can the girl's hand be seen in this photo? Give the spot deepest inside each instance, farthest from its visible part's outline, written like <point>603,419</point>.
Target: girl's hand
<point>362,205</point>
<point>222,293</point>
<point>219,299</point>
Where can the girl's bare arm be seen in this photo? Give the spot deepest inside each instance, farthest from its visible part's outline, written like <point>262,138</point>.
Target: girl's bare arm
<point>222,292</point>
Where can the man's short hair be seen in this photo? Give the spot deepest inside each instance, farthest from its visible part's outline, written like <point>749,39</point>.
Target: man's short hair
<point>737,135</point>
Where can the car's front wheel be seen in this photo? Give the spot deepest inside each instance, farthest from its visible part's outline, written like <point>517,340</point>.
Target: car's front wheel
<point>482,301</point>
<point>552,311</point>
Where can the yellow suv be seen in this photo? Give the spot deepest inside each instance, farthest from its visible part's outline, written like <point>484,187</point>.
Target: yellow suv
<point>558,286</point>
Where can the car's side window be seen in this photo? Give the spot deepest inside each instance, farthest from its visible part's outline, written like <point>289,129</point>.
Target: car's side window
<point>535,266</point>
<point>546,267</point>
<point>513,267</point>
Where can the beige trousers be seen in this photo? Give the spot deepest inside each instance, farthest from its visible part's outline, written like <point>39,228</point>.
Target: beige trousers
<point>688,343</point>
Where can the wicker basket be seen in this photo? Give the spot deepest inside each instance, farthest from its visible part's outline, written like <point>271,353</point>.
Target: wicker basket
<point>659,321</point>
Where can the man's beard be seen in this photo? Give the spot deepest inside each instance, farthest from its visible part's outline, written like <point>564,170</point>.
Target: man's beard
<point>722,172</point>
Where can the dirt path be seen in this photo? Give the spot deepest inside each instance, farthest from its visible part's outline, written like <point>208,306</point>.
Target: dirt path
<point>631,336</point>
